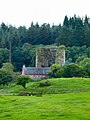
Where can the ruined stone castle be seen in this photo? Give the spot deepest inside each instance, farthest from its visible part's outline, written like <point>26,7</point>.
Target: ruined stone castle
<point>45,57</point>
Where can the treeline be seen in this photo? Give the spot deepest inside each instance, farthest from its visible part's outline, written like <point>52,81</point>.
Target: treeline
<point>75,31</point>
<point>17,45</point>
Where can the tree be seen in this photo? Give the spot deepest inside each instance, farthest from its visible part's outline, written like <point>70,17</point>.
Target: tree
<point>22,33</point>
<point>23,55</point>
<point>86,20</point>
<point>22,80</point>
<point>4,56</point>
<point>5,77</point>
<point>45,34</point>
<point>54,69</point>
<point>29,53</point>
<point>87,35</point>
<point>12,40</point>
<point>87,69</point>
<point>80,58</point>
<point>73,70</point>
<point>78,36</point>
<point>59,72</point>
<point>8,67</point>
<point>86,65</point>
<point>18,58</point>
<point>66,21</point>
<point>65,36</point>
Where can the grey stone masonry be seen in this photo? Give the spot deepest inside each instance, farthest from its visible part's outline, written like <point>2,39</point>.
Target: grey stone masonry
<point>45,57</point>
<point>60,55</point>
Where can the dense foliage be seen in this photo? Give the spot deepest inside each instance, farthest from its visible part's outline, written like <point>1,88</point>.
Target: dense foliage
<point>71,70</point>
<point>22,80</point>
<point>85,63</point>
<point>5,77</point>
<point>17,45</point>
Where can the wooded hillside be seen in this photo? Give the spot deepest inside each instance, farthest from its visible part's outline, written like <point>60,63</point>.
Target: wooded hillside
<point>17,45</point>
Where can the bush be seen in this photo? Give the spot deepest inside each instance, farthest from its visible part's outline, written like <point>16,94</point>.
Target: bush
<point>9,68</point>
<point>86,65</point>
<point>54,69</point>
<point>70,70</point>
<point>45,83</point>
<point>51,75</point>
<point>73,70</point>
<point>22,80</point>
<point>59,72</point>
<point>87,69</point>
<point>5,77</point>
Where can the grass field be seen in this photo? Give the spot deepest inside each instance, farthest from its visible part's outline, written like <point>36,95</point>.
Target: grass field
<point>68,106</point>
<point>59,85</point>
<point>71,101</point>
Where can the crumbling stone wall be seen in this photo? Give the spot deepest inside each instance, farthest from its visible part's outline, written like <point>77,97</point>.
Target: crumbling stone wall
<point>45,57</point>
<point>60,55</point>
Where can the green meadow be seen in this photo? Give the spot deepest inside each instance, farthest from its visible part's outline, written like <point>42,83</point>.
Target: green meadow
<point>64,99</point>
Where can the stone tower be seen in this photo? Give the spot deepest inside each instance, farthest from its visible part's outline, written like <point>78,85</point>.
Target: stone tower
<point>45,57</point>
<point>60,55</point>
<point>42,57</point>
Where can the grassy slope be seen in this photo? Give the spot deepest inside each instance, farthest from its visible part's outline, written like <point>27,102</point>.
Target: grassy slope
<point>74,104</point>
<point>59,85</point>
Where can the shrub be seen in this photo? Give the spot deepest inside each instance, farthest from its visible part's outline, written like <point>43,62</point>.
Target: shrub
<point>70,70</point>
<point>54,69</point>
<point>9,68</point>
<point>5,77</point>
<point>86,65</point>
<point>22,80</point>
<point>87,69</point>
<point>59,72</point>
<point>45,83</point>
<point>73,70</point>
<point>51,75</point>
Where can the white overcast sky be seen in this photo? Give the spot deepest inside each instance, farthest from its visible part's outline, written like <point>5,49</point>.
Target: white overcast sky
<point>23,12</point>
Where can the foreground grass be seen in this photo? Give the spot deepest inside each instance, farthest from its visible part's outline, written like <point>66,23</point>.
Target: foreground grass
<point>68,106</point>
<point>64,99</point>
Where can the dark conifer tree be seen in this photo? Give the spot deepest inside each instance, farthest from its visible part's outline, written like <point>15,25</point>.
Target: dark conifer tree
<point>66,21</point>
